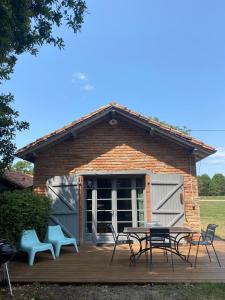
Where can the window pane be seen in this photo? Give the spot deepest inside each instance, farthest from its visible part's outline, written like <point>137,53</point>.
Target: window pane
<point>88,194</point>
<point>104,216</point>
<point>141,224</point>
<point>89,183</point>
<point>121,226</point>
<point>89,204</point>
<point>104,194</point>
<point>104,204</point>
<point>140,182</point>
<point>124,193</point>
<point>124,204</point>
<point>102,228</point>
<point>124,215</point>
<point>88,228</point>
<point>140,216</point>
<point>139,193</point>
<point>123,182</point>
<point>104,183</point>
<point>140,204</point>
<point>89,215</point>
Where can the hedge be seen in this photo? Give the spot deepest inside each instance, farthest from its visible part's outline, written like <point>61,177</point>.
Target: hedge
<point>22,210</point>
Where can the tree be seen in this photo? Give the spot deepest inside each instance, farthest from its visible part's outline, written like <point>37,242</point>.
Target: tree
<point>217,185</point>
<point>26,25</point>
<point>203,184</point>
<point>23,167</point>
<point>9,125</point>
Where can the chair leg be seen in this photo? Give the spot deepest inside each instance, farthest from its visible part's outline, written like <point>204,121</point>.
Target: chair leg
<point>165,253</point>
<point>76,248</point>
<point>113,253</point>
<point>57,249</point>
<point>53,253</point>
<point>8,278</point>
<point>31,258</point>
<point>132,253</point>
<point>196,255</point>
<point>189,251</point>
<point>150,253</point>
<point>172,260</point>
<point>146,246</point>
<point>216,256</point>
<point>208,253</point>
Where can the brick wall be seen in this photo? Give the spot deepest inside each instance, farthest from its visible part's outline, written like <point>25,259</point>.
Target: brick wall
<point>121,147</point>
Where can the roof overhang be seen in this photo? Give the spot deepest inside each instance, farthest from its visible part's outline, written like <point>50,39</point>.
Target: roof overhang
<point>200,150</point>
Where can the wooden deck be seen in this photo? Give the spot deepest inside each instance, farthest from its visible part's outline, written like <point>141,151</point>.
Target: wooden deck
<point>91,265</point>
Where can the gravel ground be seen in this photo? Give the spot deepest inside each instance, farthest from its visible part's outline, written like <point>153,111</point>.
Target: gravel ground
<point>116,292</point>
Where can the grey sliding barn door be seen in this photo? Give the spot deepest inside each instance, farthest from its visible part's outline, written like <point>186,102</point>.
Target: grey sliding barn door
<point>166,200</point>
<point>64,193</point>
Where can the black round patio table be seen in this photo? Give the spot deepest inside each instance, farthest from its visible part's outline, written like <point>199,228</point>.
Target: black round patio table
<point>177,235</point>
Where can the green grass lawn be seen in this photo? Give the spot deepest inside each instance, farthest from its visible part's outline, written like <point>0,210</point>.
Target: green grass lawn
<point>213,212</point>
<point>212,197</point>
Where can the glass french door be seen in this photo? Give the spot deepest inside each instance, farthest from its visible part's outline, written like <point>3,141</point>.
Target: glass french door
<point>112,200</point>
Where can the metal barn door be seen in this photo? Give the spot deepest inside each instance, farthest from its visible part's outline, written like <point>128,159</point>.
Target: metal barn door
<point>64,192</point>
<point>166,199</point>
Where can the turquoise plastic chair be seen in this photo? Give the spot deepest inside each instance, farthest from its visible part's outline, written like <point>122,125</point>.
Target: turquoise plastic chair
<point>57,238</point>
<point>30,243</point>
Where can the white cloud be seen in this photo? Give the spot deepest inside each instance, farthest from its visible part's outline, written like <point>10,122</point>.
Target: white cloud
<point>88,87</point>
<point>79,76</point>
<point>218,157</point>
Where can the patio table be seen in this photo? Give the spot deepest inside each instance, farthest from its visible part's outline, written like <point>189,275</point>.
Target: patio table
<point>178,234</point>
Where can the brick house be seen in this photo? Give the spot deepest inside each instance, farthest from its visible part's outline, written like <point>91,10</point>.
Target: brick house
<point>117,166</point>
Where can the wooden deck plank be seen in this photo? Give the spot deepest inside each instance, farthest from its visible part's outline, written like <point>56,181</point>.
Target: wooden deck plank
<point>91,265</point>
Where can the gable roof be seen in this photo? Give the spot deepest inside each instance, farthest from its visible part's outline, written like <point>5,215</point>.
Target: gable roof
<point>18,179</point>
<point>201,149</point>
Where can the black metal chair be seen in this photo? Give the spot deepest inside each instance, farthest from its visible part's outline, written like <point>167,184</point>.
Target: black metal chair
<point>118,241</point>
<point>7,252</point>
<point>160,238</point>
<point>206,239</point>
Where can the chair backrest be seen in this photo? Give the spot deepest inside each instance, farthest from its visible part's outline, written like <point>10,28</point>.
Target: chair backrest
<point>111,228</point>
<point>29,238</point>
<point>162,233</point>
<point>210,233</point>
<point>55,232</point>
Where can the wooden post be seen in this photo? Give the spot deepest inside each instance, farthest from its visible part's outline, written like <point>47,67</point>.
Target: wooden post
<point>81,209</point>
<point>148,198</point>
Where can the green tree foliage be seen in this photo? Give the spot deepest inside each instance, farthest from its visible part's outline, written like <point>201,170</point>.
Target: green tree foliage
<point>203,184</point>
<point>22,210</point>
<point>9,125</point>
<point>25,25</point>
<point>183,129</point>
<point>217,185</point>
<point>23,167</point>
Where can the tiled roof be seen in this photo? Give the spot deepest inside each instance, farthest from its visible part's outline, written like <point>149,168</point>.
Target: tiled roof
<point>19,179</point>
<point>149,121</point>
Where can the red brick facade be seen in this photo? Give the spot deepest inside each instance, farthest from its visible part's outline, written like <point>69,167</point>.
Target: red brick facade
<point>125,146</point>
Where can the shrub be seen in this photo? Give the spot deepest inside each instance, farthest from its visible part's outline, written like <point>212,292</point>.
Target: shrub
<point>22,210</point>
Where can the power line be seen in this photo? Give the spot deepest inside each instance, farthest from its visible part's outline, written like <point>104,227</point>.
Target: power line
<point>212,130</point>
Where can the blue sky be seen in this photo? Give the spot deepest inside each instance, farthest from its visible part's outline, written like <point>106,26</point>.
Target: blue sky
<point>161,58</point>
